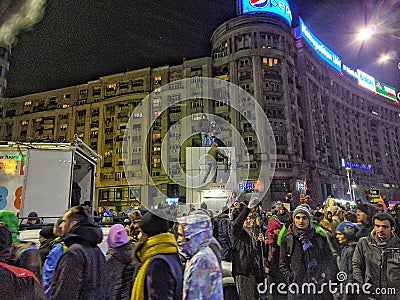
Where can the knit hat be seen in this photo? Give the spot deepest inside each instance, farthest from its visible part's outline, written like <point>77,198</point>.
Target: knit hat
<point>368,209</point>
<point>47,232</point>
<point>349,230</point>
<point>304,209</point>
<point>152,224</point>
<point>117,236</point>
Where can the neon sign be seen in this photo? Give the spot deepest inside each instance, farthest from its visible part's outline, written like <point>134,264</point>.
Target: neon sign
<point>277,7</point>
<point>324,52</point>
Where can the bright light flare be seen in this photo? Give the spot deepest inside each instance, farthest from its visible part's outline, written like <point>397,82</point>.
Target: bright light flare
<point>384,58</point>
<point>366,33</point>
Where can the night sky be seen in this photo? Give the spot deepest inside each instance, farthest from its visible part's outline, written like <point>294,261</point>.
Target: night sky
<point>80,40</point>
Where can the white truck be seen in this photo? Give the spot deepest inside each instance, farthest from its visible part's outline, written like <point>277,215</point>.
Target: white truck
<point>46,177</point>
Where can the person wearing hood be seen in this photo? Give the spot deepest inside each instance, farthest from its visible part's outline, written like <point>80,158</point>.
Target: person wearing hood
<point>365,212</point>
<point>376,259</point>
<point>17,283</point>
<point>305,256</point>
<point>203,277</point>
<point>120,267</point>
<point>80,271</point>
<point>160,275</point>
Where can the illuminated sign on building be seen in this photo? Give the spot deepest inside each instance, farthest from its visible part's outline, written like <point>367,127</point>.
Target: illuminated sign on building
<point>277,7</point>
<point>385,90</point>
<point>324,52</point>
<point>354,165</point>
<point>349,71</point>
<point>366,80</point>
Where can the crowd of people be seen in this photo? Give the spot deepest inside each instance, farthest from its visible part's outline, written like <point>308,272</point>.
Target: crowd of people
<point>290,252</point>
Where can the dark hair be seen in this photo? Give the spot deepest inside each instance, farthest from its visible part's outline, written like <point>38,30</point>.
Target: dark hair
<point>383,217</point>
<point>350,216</point>
<point>78,214</point>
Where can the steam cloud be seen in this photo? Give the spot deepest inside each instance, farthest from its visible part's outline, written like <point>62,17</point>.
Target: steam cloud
<point>29,14</point>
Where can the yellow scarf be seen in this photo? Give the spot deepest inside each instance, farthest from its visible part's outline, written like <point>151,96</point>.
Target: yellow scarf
<point>163,243</point>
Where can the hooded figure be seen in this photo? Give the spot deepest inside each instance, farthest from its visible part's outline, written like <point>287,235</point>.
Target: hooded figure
<point>120,268</point>
<point>11,220</point>
<point>81,269</point>
<point>202,278</point>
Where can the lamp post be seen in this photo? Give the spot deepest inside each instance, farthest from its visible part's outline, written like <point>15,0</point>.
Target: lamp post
<point>350,190</point>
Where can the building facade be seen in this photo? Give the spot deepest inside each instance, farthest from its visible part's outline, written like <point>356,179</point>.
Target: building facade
<point>332,136</point>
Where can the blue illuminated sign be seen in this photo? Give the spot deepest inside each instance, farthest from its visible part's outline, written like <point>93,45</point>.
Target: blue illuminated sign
<point>354,165</point>
<point>277,7</point>
<point>248,186</point>
<point>324,52</point>
<point>349,71</point>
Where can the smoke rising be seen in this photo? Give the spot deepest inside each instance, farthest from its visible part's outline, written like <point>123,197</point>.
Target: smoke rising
<point>23,17</point>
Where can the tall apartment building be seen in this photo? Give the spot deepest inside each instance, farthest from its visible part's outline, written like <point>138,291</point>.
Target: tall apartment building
<point>322,120</point>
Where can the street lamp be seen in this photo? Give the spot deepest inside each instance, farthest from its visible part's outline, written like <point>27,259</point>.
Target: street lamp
<point>350,190</point>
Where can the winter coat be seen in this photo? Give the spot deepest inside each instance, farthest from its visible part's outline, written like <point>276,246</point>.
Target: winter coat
<point>244,251</point>
<point>50,263</point>
<point>293,265</point>
<point>119,274</point>
<point>18,283</point>
<point>44,250</point>
<point>202,277</point>
<point>346,256</point>
<point>81,269</point>
<point>377,265</point>
<point>223,233</point>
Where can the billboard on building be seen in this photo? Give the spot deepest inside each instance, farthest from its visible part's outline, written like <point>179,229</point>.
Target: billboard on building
<point>277,7</point>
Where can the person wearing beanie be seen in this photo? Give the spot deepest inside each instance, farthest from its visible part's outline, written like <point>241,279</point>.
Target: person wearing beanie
<point>305,255</point>
<point>160,275</point>
<point>120,266</point>
<point>45,237</point>
<point>203,276</point>
<point>33,220</point>
<point>365,212</point>
<point>346,234</point>
<point>273,273</point>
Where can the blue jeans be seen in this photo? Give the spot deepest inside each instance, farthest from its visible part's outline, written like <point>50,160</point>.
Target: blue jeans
<point>210,164</point>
